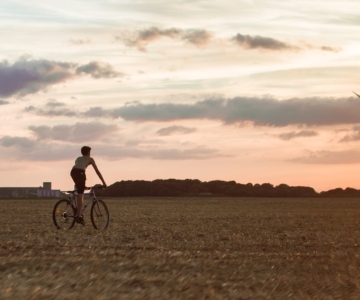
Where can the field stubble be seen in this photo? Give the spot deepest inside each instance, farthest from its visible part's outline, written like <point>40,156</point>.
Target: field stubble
<point>178,248</point>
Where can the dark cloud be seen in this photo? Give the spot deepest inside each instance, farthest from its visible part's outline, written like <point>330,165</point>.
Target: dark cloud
<point>296,134</point>
<point>260,42</point>
<point>79,132</point>
<point>163,112</point>
<point>243,110</point>
<point>153,33</point>
<point>239,110</point>
<point>3,102</point>
<point>142,38</point>
<point>354,136</point>
<point>29,76</point>
<point>98,70</point>
<point>175,129</point>
<point>330,157</point>
<point>201,37</point>
<point>198,37</point>
<point>96,112</point>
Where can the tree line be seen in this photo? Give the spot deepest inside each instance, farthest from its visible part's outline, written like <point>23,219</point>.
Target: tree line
<point>215,188</point>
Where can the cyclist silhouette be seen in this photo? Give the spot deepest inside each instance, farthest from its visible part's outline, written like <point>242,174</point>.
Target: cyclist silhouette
<point>78,175</point>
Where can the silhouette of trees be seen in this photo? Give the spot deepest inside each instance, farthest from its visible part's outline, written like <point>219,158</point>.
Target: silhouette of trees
<point>340,193</point>
<point>216,188</point>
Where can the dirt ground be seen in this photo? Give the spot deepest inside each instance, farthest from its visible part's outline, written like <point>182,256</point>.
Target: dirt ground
<point>177,248</point>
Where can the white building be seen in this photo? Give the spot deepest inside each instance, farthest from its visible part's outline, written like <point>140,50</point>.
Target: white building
<point>48,193</point>
<point>24,192</point>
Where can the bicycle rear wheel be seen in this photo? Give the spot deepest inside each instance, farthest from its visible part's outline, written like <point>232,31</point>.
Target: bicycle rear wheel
<point>64,214</point>
<point>99,214</point>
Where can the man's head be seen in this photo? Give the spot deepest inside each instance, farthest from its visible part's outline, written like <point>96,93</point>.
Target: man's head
<point>85,150</point>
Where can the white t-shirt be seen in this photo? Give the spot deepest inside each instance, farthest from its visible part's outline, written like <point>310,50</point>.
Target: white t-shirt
<point>82,162</point>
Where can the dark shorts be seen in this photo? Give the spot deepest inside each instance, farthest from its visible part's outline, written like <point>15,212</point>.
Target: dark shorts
<point>79,178</point>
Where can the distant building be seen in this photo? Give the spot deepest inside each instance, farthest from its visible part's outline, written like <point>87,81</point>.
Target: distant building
<point>47,186</point>
<point>44,191</point>
<point>48,193</point>
<point>18,191</point>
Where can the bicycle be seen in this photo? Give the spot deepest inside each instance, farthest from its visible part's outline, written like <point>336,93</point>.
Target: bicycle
<point>65,210</point>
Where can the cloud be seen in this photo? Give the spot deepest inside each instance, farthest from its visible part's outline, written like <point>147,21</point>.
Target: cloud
<point>260,42</point>
<point>49,143</point>
<point>264,111</point>
<point>79,132</point>
<point>96,112</point>
<point>141,38</point>
<point>201,37</point>
<point>53,103</point>
<point>322,48</point>
<point>243,110</point>
<point>3,102</point>
<point>354,136</point>
<point>198,37</point>
<point>98,70</point>
<point>196,153</point>
<point>52,109</point>
<point>293,134</point>
<point>175,129</point>
<point>80,42</point>
<point>330,157</point>
<point>21,142</point>
<point>29,76</point>
<point>23,148</point>
<point>330,49</point>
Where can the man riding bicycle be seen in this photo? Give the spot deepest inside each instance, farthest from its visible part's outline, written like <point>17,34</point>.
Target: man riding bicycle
<point>78,175</point>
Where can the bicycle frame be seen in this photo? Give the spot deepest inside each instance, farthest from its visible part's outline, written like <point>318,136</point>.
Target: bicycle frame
<point>73,201</point>
<point>66,209</point>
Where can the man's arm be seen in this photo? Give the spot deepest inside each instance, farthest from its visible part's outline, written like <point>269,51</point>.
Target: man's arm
<point>98,172</point>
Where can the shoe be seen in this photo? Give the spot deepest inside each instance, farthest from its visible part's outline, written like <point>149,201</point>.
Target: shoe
<point>80,220</point>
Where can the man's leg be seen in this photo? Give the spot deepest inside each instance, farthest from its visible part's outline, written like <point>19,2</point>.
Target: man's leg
<point>80,198</point>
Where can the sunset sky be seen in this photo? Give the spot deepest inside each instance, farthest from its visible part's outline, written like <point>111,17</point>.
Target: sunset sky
<point>245,90</point>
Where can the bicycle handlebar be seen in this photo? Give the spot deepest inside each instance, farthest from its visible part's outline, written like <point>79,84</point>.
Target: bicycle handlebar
<point>96,186</point>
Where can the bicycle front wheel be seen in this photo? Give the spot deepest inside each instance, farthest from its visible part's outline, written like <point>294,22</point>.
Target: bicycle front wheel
<point>64,214</point>
<point>99,214</point>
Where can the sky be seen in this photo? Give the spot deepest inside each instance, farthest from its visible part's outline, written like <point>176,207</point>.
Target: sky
<point>246,90</point>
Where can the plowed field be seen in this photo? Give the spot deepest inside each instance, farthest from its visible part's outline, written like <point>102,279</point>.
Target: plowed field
<point>177,248</point>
